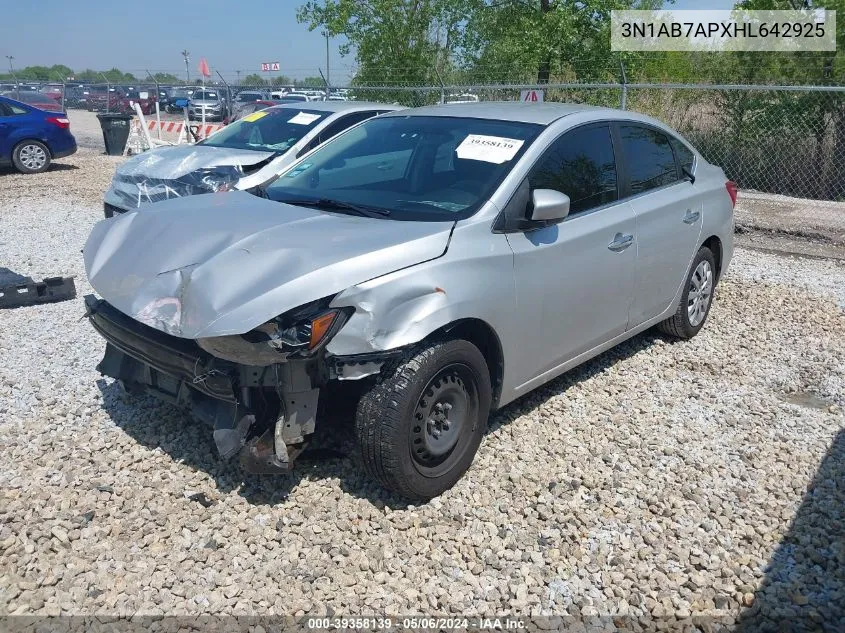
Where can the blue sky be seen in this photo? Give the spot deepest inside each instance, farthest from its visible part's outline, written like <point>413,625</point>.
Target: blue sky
<point>100,34</point>
<point>233,36</point>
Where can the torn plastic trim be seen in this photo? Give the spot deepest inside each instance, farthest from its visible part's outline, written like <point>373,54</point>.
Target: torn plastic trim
<point>358,366</point>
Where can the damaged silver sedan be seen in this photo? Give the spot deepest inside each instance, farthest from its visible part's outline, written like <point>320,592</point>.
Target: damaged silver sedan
<point>449,258</point>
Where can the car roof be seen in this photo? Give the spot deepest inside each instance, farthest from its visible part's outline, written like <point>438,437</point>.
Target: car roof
<point>339,106</point>
<point>542,113</point>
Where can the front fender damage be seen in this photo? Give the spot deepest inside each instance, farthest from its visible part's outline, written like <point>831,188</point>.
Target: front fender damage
<point>383,324</point>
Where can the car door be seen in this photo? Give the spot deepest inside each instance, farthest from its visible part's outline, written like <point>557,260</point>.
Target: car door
<point>574,279</point>
<point>12,117</point>
<point>668,209</point>
<point>5,131</point>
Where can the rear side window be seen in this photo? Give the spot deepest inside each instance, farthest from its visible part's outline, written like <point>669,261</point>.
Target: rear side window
<point>7,109</point>
<point>683,154</point>
<point>649,158</point>
<point>580,164</point>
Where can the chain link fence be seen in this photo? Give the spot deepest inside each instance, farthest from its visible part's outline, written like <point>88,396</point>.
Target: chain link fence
<point>787,140</point>
<point>775,140</point>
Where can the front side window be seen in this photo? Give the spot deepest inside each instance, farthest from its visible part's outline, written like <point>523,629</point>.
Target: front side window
<point>338,126</point>
<point>649,158</point>
<point>273,130</point>
<point>412,167</point>
<point>580,164</point>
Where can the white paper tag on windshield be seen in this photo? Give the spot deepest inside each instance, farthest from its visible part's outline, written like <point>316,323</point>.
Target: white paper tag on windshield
<point>490,149</point>
<point>304,118</point>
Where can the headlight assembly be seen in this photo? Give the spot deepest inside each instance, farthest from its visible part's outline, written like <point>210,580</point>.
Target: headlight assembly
<point>298,333</point>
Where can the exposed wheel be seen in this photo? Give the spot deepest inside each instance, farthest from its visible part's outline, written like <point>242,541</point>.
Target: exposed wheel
<point>419,428</point>
<point>31,157</point>
<point>696,299</point>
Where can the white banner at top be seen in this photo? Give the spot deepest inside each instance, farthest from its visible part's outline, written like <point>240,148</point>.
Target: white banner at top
<point>713,30</point>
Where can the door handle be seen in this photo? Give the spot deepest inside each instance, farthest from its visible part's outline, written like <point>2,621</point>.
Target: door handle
<point>621,242</point>
<point>691,216</point>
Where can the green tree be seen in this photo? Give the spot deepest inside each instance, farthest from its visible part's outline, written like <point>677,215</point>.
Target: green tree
<point>311,82</point>
<point>546,39</point>
<point>254,80</point>
<point>166,78</point>
<point>393,40</point>
<point>281,80</point>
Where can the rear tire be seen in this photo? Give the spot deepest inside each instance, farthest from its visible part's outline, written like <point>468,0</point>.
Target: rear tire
<point>420,426</point>
<point>696,299</point>
<point>31,157</point>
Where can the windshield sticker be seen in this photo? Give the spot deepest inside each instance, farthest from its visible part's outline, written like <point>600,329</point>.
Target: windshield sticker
<point>249,118</point>
<point>304,118</point>
<point>490,149</point>
<point>298,170</point>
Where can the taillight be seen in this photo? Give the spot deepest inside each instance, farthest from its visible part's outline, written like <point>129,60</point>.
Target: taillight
<point>731,187</point>
<point>61,122</point>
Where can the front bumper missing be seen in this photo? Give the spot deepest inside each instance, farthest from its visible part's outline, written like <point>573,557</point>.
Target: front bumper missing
<point>264,414</point>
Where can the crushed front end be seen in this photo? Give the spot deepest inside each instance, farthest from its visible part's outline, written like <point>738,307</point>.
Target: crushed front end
<point>258,391</point>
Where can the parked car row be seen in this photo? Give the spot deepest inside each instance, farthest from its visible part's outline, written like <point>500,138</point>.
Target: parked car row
<point>445,259</point>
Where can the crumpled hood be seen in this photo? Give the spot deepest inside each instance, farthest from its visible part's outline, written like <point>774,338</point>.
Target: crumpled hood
<point>170,163</point>
<point>226,263</point>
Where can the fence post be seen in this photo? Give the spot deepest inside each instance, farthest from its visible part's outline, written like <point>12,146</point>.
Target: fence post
<point>442,86</point>
<point>228,95</point>
<point>325,81</point>
<point>624,105</point>
<point>64,88</point>
<point>108,93</point>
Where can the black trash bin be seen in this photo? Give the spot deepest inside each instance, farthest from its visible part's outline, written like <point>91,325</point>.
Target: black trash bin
<point>115,132</point>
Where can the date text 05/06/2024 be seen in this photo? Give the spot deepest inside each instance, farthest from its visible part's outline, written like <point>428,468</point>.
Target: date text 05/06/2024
<point>416,623</point>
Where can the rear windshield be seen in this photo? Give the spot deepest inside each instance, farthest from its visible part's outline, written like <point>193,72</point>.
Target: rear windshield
<point>246,97</point>
<point>273,130</point>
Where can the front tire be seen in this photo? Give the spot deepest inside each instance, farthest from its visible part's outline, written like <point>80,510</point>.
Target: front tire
<point>420,426</point>
<point>696,299</point>
<point>31,157</point>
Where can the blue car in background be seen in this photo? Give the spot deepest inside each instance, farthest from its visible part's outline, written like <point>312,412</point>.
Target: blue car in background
<point>31,138</point>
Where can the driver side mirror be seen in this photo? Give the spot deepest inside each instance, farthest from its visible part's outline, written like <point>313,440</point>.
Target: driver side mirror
<point>549,206</point>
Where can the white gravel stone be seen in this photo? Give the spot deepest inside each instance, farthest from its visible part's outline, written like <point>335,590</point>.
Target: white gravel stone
<point>662,478</point>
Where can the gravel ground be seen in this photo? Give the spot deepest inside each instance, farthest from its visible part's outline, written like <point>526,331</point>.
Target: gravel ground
<point>661,478</point>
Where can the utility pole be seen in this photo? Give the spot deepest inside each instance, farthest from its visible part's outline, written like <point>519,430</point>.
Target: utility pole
<point>187,55</point>
<point>10,58</point>
<point>328,77</point>
<point>239,76</point>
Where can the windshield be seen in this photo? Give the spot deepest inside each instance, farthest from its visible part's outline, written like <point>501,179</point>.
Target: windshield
<point>246,97</point>
<point>199,95</point>
<point>415,167</point>
<point>179,94</point>
<point>273,130</point>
